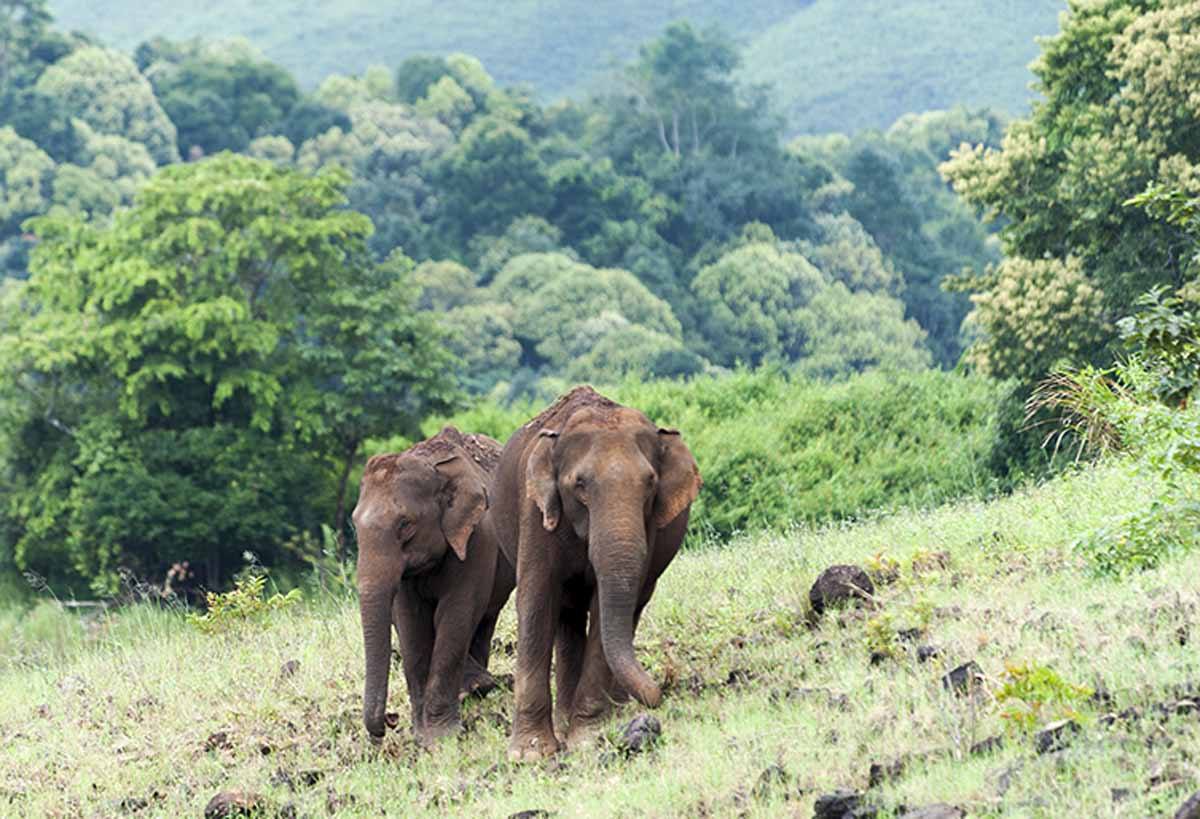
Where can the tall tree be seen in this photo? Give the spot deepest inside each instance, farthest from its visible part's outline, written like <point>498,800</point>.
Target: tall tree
<point>228,329</point>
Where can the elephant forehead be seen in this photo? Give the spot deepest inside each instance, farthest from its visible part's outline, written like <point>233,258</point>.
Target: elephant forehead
<point>607,418</point>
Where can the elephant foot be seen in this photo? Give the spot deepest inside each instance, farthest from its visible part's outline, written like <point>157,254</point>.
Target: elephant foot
<point>477,686</point>
<point>582,733</point>
<point>431,732</point>
<point>532,747</point>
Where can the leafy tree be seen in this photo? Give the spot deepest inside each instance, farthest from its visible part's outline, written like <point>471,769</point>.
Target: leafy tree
<point>416,74</point>
<point>222,96</point>
<point>528,234</point>
<point>388,149</point>
<point>105,90</point>
<point>310,118</point>
<point>851,332</point>
<point>26,173</point>
<point>490,178</point>
<point>227,333</point>
<point>751,298</point>
<point>1117,114</point>
<point>341,92</point>
<point>443,286</point>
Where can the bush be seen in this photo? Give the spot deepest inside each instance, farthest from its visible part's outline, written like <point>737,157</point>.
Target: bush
<point>775,451</point>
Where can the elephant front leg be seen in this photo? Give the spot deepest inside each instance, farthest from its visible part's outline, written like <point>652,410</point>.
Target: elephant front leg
<point>452,640</point>
<point>537,616</point>
<point>413,619</point>
<point>591,703</point>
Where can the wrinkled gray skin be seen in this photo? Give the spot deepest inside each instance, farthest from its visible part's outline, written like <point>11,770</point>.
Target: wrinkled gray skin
<point>428,564</point>
<point>591,504</point>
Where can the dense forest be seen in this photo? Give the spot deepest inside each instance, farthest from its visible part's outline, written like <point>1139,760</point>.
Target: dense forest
<point>222,289</point>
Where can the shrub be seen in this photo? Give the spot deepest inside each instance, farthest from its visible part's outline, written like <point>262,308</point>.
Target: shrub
<point>1034,694</point>
<point>244,603</point>
<point>775,451</point>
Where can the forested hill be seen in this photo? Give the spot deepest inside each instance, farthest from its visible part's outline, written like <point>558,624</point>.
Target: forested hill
<point>836,66</point>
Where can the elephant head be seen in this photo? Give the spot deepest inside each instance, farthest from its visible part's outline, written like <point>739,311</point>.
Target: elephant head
<point>615,480</point>
<point>412,509</point>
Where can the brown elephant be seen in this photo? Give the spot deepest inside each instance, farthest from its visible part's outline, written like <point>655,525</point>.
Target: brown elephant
<point>591,504</point>
<point>413,508</point>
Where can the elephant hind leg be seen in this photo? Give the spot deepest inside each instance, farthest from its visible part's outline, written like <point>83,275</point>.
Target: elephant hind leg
<point>569,649</point>
<point>477,682</point>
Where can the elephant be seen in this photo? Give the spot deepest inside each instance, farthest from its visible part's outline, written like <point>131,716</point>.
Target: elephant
<point>429,564</point>
<point>591,503</point>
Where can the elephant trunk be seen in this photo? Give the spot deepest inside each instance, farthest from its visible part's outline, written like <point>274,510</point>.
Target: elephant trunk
<point>620,566</point>
<point>375,607</point>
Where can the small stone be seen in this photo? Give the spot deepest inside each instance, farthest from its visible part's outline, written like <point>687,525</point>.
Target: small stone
<point>964,679</point>
<point>1189,809</point>
<point>881,772</point>
<point>218,740</point>
<point>910,635</point>
<point>289,669</point>
<point>1055,736</point>
<point>839,586</point>
<point>1120,794</point>
<point>641,734</point>
<point>841,804</point>
<point>234,803</point>
<point>738,677</point>
<point>927,653</point>
<point>535,813</point>
<point>987,746</point>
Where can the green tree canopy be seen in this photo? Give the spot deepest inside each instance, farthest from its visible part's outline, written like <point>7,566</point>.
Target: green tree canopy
<point>105,89</point>
<point>232,310</point>
<point>1118,113</point>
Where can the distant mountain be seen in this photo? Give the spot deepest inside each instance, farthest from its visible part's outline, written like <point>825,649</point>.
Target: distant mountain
<point>835,64</point>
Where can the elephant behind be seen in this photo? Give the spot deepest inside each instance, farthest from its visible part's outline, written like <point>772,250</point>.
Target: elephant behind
<point>591,504</point>
<point>429,565</point>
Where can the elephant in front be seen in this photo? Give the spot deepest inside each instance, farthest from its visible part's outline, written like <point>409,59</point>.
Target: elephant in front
<point>429,565</point>
<point>591,504</point>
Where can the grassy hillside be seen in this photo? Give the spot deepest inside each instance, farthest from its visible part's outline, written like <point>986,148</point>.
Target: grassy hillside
<point>837,66</point>
<point>144,715</point>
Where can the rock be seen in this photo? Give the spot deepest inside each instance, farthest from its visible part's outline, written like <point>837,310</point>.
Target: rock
<point>234,803</point>
<point>987,746</point>
<point>938,811</point>
<point>910,635</point>
<point>535,813</point>
<point>641,734</point>
<point>738,677</point>
<point>289,669</point>
<point>218,740</point>
<point>927,653</point>
<point>1189,809</point>
<point>1055,736</point>
<point>1120,794</point>
<point>964,679</point>
<point>839,586</point>
<point>881,772</point>
<point>842,804</point>
<point>772,778</point>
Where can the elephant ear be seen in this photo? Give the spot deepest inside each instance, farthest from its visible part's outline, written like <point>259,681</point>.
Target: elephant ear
<point>679,479</point>
<point>464,500</point>
<point>541,484</point>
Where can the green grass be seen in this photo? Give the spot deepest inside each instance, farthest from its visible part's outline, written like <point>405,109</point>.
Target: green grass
<point>835,66</point>
<point>123,712</point>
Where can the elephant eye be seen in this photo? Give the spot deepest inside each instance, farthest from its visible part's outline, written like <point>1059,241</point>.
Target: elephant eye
<point>404,529</point>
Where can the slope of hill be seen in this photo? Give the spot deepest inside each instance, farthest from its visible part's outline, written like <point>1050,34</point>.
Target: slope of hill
<point>144,715</point>
<point>837,66</point>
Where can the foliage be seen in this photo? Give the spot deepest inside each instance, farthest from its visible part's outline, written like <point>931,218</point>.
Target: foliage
<point>1033,695</point>
<point>202,327</point>
<point>1114,118</point>
<point>775,451</point>
<point>222,96</point>
<point>105,90</point>
<point>244,603</point>
<point>1142,540</point>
